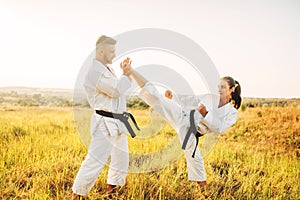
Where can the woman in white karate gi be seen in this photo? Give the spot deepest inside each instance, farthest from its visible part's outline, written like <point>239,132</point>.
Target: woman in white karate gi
<point>214,113</point>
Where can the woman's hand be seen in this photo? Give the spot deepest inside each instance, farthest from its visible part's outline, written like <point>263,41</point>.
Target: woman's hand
<point>202,110</point>
<point>168,94</point>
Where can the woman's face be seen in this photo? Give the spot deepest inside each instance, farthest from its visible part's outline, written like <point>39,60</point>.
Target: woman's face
<point>224,90</point>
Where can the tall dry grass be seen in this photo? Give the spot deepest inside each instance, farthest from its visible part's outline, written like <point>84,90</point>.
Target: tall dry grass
<point>258,158</point>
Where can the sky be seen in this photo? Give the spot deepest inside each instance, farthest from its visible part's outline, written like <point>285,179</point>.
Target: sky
<point>44,43</point>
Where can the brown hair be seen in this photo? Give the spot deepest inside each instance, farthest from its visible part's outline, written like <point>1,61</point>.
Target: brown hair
<point>236,94</point>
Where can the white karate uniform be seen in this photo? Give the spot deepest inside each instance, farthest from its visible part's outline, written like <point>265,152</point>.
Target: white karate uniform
<point>104,92</point>
<point>217,120</point>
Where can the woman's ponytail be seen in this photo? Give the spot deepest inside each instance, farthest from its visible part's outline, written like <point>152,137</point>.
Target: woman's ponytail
<point>236,95</point>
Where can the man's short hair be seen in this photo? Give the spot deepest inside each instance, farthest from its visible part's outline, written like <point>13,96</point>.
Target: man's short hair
<point>103,39</point>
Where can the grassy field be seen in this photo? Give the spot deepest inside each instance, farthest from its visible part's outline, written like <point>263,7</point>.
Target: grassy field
<point>258,158</point>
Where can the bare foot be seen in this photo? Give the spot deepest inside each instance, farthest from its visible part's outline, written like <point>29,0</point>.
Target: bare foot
<point>168,94</point>
<point>78,197</point>
<point>111,190</point>
<point>202,184</point>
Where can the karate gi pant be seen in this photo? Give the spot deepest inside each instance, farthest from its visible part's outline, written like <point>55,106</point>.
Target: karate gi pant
<point>103,144</point>
<point>179,120</point>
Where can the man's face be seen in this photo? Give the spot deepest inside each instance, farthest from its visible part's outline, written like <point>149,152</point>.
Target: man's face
<point>109,53</point>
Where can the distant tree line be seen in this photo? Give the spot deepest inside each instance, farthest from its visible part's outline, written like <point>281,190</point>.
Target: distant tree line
<point>134,102</point>
<point>16,99</point>
<point>270,103</point>
<point>35,100</point>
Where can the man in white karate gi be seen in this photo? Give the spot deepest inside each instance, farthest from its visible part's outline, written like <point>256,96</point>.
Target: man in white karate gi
<point>105,92</point>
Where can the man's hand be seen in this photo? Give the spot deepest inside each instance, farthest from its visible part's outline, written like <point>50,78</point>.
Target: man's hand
<point>202,110</point>
<point>169,94</point>
<point>126,67</point>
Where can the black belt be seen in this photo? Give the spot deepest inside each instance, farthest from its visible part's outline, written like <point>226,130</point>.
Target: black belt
<point>122,117</point>
<point>192,129</point>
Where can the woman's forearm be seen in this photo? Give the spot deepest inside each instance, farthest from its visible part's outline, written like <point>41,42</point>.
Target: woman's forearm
<point>141,81</point>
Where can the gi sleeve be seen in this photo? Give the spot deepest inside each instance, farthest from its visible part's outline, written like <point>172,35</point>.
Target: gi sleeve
<point>112,87</point>
<point>218,124</point>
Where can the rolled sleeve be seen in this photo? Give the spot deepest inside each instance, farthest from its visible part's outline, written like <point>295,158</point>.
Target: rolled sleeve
<point>111,86</point>
<point>123,84</point>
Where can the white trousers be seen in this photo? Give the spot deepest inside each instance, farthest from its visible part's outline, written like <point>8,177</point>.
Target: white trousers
<point>179,120</point>
<point>103,145</point>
